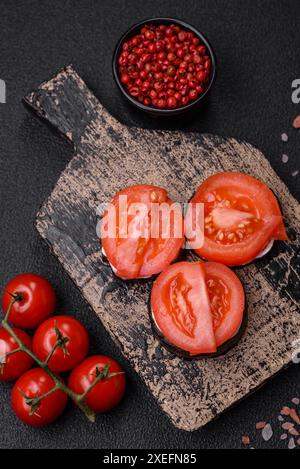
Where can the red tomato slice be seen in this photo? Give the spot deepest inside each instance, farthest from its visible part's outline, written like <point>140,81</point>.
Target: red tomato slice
<point>181,308</point>
<point>198,306</point>
<point>242,216</point>
<point>147,237</point>
<point>227,301</point>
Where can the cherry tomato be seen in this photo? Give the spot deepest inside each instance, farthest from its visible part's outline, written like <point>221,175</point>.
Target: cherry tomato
<point>38,301</point>
<point>35,383</point>
<point>140,245</point>
<point>71,352</point>
<point>242,218</point>
<point>198,306</point>
<point>16,364</point>
<point>108,392</point>
<point>181,308</point>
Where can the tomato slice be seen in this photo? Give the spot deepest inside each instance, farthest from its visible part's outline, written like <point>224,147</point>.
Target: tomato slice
<point>147,231</point>
<point>227,301</point>
<point>242,216</point>
<point>181,308</point>
<point>197,306</point>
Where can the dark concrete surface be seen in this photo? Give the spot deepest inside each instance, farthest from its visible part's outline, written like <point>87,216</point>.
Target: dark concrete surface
<point>257,45</point>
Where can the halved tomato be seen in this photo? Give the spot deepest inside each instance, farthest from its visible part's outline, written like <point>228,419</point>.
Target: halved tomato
<point>227,301</point>
<point>181,308</point>
<point>142,232</point>
<point>198,307</point>
<point>241,218</point>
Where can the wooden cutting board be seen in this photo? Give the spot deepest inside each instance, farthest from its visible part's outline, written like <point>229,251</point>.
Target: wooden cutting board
<point>110,156</point>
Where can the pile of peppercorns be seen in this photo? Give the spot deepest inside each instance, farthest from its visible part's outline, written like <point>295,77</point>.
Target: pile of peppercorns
<point>164,66</point>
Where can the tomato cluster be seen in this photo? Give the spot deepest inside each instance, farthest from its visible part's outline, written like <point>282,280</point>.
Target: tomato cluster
<point>60,344</point>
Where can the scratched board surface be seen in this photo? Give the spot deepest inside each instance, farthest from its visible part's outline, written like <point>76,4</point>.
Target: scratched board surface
<point>110,156</point>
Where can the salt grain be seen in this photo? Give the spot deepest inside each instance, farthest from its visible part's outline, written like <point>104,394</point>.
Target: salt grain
<point>284,137</point>
<point>246,440</point>
<point>291,430</point>
<point>292,444</point>
<point>285,159</point>
<point>260,425</point>
<point>295,173</point>
<point>267,432</point>
<point>285,411</point>
<point>287,425</point>
<point>294,432</point>
<point>296,123</point>
<point>295,416</point>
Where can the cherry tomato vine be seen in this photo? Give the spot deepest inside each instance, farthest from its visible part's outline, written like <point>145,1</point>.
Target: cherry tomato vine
<point>61,342</point>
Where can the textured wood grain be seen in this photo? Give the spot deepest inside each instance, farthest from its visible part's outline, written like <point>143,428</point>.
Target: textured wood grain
<point>110,156</point>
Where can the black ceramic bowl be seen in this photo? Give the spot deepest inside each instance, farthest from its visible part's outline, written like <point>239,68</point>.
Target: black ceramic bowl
<point>152,110</point>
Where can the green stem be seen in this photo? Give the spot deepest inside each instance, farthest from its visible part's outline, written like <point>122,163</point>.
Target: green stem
<point>83,396</point>
<point>97,380</point>
<point>34,402</point>
<point>8,354</point>
<point>15,297</point>
<point>56,388</point>
<point>55,346</point>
